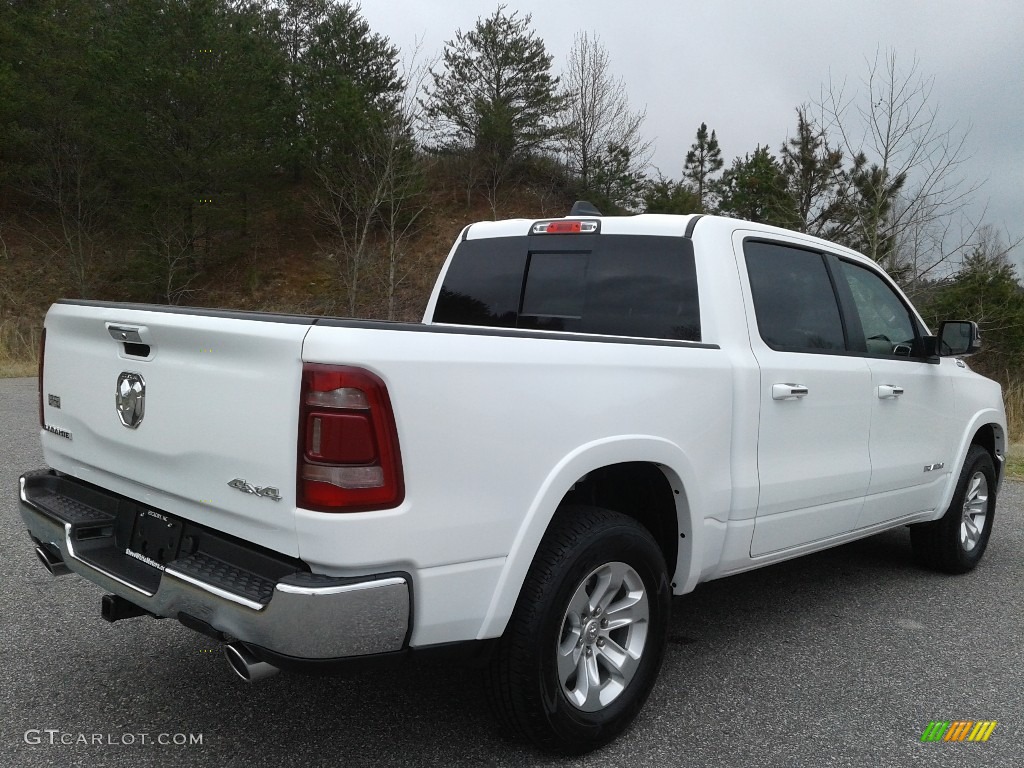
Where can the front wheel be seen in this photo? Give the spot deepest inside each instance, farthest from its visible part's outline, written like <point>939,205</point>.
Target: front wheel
<point>955,542</point>
<point>586,639</point>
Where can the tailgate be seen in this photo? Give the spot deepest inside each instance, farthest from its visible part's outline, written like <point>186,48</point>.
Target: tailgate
<point>218,418</point>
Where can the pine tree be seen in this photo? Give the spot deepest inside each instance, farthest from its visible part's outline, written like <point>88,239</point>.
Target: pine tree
<point>754,188</point>
<point>703,161</point>
<point>340,77</point>
<point>496,93</point>
<point>495,101</point>
<point>193,95</point>
<point>986,289</point>
<point>869,209</point>
<point>664,195</point>
<point>814,176</point>
<point>616,187</point>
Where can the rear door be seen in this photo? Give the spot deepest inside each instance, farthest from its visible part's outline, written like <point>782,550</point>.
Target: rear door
<point>184,410</point>
<point>813,435</point>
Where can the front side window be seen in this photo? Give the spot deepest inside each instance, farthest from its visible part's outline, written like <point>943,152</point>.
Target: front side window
<point>794,301</point>
<point>885,320</point>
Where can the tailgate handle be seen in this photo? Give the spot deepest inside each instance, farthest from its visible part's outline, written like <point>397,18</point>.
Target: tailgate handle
<point>134,338</point>
<point>125,333</point>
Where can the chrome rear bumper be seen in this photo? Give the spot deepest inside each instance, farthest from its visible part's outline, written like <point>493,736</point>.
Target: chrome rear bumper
<point>300,614</point>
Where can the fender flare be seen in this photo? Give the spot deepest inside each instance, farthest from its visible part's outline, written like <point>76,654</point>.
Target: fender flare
<point>981,419</point>
<point>678,470</point>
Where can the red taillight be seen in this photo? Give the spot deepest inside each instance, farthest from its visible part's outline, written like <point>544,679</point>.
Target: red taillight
<point>348,444</point>
<point>340,438</point>
<point>39,383</point>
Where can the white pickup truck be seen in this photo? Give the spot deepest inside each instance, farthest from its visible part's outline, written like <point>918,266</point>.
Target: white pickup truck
<point>596,414</point>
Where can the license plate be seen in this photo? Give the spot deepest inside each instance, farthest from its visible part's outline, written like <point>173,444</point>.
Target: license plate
<point>156,536</point>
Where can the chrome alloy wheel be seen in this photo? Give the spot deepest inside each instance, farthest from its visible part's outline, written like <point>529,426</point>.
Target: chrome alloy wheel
<point>975,511</point>
<point>602,636</point>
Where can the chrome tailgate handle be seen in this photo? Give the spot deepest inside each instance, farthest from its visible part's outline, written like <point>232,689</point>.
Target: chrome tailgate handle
<point>126,333</point>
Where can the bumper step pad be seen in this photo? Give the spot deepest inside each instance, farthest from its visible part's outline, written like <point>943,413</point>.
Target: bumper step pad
<point>225,576</point>
<point>110,533</point>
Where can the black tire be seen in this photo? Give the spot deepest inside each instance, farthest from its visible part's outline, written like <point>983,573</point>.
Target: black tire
<point>531,694</point>
<point>956,542</point>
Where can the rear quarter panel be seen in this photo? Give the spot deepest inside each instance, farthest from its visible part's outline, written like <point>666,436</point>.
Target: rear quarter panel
<point>494,430</point>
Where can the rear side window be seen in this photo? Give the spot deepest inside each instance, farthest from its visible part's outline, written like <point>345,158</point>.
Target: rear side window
<point>794,301</point>
<point>617,285</point>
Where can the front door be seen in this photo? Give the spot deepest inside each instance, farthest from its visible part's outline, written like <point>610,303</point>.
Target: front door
<point>912,440</point>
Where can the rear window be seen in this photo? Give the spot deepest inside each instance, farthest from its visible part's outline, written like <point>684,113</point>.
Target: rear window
<point>616,285</point>
<point>794,301</point>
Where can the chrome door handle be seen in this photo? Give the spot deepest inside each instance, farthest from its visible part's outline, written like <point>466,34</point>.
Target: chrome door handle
<point>788,391</point>
<point>889,391</point>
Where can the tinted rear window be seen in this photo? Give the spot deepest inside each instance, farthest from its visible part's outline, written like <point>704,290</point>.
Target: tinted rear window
<point>794,301</point>
<point>618,285</point>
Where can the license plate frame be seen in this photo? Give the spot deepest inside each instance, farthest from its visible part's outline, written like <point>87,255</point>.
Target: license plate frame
<point>156,536</point>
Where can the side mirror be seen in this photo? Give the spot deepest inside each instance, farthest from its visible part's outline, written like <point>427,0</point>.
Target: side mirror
<point>958,338</point>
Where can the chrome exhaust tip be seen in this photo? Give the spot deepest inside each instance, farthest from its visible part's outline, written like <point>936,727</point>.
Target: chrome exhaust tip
<point>52,561</point>
<point>246,665</point>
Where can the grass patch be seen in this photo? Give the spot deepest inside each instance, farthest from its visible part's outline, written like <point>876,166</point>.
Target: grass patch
<point>10,369</point>
<point>19,348</point>
<point>1015,462</point>
<point>1013,397</point>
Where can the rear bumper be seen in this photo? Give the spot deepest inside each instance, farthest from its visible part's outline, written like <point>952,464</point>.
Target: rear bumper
<point>234,588</point>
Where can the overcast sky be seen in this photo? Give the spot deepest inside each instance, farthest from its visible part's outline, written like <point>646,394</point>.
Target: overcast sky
<point>744,67</point>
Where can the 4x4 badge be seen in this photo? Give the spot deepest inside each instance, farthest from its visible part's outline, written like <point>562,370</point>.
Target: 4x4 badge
<point>266,491</point>
<point>130,399</point>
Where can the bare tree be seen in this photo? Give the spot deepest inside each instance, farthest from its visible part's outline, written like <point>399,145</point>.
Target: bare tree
<point>347,200</point>
<point>991,248</point>
<point>372,201</point>
<point>170,243</point>
<point>69,184</point>
<point>906,185</point>
<point>405,197</point>
<point>598,112</point>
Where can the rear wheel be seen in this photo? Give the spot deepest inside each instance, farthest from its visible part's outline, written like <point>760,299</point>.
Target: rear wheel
<point>956,542</point>
<point>586,639</point>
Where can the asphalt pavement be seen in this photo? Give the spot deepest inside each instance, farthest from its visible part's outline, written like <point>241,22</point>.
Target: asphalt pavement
<point>837,659</point>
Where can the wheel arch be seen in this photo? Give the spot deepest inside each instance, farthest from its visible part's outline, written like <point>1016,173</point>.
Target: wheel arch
<point>592,474</point>
<point>992,438</point>
<point>988,430</point>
